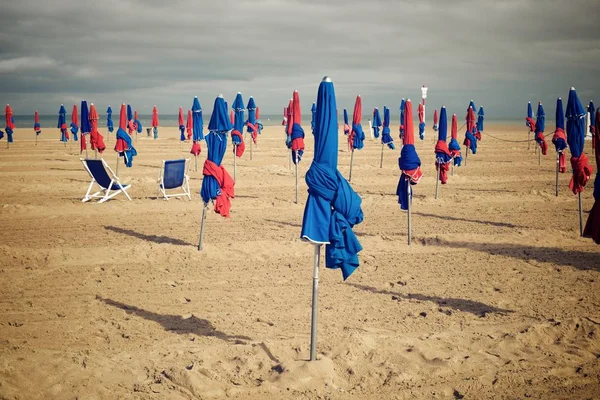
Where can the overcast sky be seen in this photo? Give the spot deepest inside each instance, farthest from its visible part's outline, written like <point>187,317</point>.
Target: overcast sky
<point>499,53</point>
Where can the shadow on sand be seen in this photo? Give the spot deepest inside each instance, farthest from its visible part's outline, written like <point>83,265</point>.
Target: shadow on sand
<point>473,307</point>
<point>148,238</point>
<point>446,217</point>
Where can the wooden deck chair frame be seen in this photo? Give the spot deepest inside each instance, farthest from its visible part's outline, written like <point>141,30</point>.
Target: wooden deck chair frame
<point>185,186</point>
<point>104,193</point>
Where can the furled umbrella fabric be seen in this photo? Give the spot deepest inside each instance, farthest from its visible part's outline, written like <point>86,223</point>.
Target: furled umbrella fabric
<point>454,146</point>
<point>592,226</point>
<point>130,127</point>
<point>470,138</point>
<point>155,121</point>
<point>435,120</point>
<point>197,127</point>
<point>297,134</point>
<point>376,122</point>
<point>109,122</point>
<point>480,118</point>
<point>592,128</point>
<point>357,135</point>
<point>401,128</point>
<point>347,128</point>
<point>62,124</point>
<point>96,139</point>
<point>36,123</point>
<point>540,125</point>
<point>529,121</point>
<point>74,122</point>
<point>386,137</point>
<point>443,157</point>
<point>85,127</point>
<point>9,123</point>
<point>237,138</point>
<point>409,161</point>
<point>189,125</point>
<point>332,207</point>
<point>313,113</point>
<point>124,144</point>
<point>181,121</point>
<point>217,184</point>
<point>560,138</point>
<point>251,126</point>
<point>137,124</point>
<point>421,112</point>
<point>582,170</point>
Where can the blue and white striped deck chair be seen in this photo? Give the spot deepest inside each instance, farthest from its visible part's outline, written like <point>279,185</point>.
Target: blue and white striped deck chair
<point>105,178</point>
<point>173,175</point>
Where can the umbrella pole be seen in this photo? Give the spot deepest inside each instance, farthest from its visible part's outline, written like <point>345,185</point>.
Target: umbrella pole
<point>296,166</point>
<point>557,163</point>
<point>201,241</point>
<point>289,158</point>
<point>409,190</point>
<point>466,156</point>
<point>234,161</point>
<point>580,215</point>
<point>315,310</point>
<point>36,135</point>
<point>351,162</point>
<point>117,173</point>
<point>381,160</point>
<point>528,140</point>
<point>251,141</point>
<point>437,180</point>
<point>196,163</point>
<point>453,167</point>
<point>540,157</point>
<point>86,153</point>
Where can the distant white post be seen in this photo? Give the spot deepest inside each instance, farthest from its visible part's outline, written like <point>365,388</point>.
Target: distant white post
<point>423,100</point>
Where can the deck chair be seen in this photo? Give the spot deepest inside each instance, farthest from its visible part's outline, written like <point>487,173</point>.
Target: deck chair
<point>103,176</point>
<point>173,175</point>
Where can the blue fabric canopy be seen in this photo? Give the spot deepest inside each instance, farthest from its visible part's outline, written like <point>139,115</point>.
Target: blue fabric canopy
<point>346,117</point>
<point>313,112</point>
<point>109,121</point>
<point>297,133</point>
<point>540,123</point>
<point>472,105</point>
<point>129,113</point>
<point>62,120</point>
<point>85,127</point>
<point>472,142</point>
<point>443,125</point>
<point>197,120</point>
<point>376,123</point>
<point>575,115</point>
<point>559,115</point>
<point>409,160</point>
<point>386,137</point>
<point>592,110</point>
<point>252,114</point>
<point>480,116</point>
<point>332,207</point>
<point>216,143</point>
<point>529,111</point>
<point>402,103</point>
<point>238,108</point>
<point>130,152</point>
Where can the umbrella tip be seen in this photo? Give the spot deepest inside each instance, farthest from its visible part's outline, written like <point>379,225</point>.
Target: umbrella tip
<point>572,88</point>
<point>220,95</point>
<point>326,79</point>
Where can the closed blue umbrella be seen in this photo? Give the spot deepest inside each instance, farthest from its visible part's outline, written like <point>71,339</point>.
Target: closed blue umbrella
<point>540,125</point>
<point>85,127</point>
<point>409,161</point>
<point>109,122</point>
<point>217,184</point>
<point>575,116</point>
<point>62,123</point>
<point>402,103</point>
<point>443,157</point>
<point>480,117</point>
<point>197,120</point>
<point>251,127</point>
<point>332,207</point>
<point>376,122</point>
<point>238,124</point>
<point>346,123</point>
<point>592,128</point>
<point>560,141</point>
<point>313,112</point>
<point>386,137</point>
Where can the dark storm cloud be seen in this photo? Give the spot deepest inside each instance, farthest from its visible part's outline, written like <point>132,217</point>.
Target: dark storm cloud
<point>499,53</point>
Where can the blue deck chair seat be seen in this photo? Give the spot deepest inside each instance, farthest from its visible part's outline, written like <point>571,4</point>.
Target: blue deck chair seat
<point>174,175</point>
<point>103,176</point>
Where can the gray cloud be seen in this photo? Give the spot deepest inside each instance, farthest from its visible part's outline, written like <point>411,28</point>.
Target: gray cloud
<point>499,53</point>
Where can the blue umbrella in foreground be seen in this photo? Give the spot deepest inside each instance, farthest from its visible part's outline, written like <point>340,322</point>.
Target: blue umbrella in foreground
<point>332,207</point>
<point>217,184</point>
<point>582,170</point>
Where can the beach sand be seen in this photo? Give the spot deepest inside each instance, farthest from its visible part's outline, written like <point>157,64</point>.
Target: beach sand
<point>497,297</point>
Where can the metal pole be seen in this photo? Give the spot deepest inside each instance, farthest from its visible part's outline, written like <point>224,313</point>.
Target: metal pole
<point>528,140</point>
<point>117,173</point>
<point>351,162</point>
<point>409,190</point>
<point>557,164</point>
<point>540,157</point>
<point>580,215</point>
<point>251,141</point>
<point>234,161</point>
<point>437,179</point>
<point>196,163</point>
<point>202,227</point>
<point>289,158</point>
<point>315,309</point>
<point>296,179</point>
<point>381,161</point>
<point>466,156</point>
<point>452,167</point>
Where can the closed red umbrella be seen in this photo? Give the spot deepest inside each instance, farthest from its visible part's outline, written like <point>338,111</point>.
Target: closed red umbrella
<point>96,139</point>
<point>120,145</point>
<point>189,125</point>
<point>154,117</point>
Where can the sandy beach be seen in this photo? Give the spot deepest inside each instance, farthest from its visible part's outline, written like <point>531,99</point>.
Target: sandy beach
<point>497,297</point>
